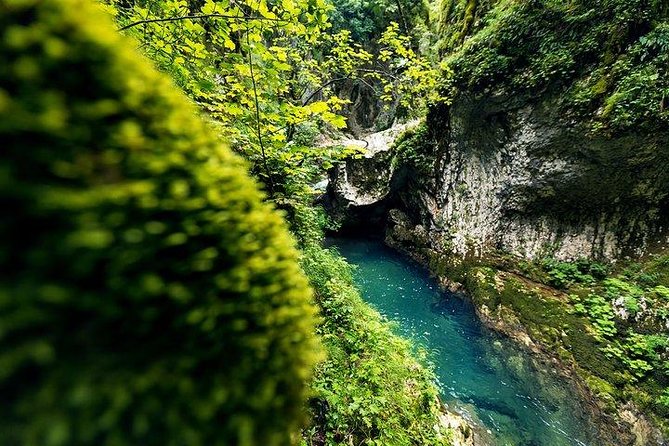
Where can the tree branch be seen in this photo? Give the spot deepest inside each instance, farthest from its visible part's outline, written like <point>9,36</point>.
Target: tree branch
<point>370,70</point>
<point>198,17</point>
<point>270,178</point>
<point>404,20</point>
<point>323,87</point>
<point>341,79</point>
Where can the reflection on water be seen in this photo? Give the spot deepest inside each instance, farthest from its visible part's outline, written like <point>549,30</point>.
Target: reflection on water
<point>485,378</point>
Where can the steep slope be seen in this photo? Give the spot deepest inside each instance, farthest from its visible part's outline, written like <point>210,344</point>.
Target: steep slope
<point>556,141</point>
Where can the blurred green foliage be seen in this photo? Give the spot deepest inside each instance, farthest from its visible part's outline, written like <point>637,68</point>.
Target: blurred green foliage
<point>147,294</point>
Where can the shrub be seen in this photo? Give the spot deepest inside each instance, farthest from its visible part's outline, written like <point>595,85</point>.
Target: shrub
<point>148,295</point>
<point>565,274</point>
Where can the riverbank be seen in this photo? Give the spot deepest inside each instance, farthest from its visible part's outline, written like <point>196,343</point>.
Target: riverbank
<point>496,386</point>
<point>372,387</point>
<point>541,320</point>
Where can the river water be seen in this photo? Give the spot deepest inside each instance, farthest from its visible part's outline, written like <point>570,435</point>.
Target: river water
<point>482,376</point>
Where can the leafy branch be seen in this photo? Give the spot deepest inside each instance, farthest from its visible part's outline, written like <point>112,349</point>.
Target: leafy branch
<point>199,17</point>
<point>268,173</point>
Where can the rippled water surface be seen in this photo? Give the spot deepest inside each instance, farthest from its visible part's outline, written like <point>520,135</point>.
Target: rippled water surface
<point>484,377</point>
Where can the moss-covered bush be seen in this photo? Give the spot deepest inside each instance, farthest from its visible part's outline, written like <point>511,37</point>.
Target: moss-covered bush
<point>147,295</point>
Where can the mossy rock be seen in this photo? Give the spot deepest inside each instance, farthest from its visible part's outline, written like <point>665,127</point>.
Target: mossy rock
<point>545,318</point>
<point>603,64</point>
<point>148,295</point>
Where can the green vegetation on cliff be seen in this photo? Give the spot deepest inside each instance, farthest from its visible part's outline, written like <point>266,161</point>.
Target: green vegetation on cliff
<point>562,108</point>
<point>607,59</point>
<point>589,79</point>
<point>610,329</point>
<point>629,313</point>
<point>609,324</point>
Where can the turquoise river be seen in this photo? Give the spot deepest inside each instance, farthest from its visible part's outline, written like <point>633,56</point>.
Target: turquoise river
<point>482,376</point>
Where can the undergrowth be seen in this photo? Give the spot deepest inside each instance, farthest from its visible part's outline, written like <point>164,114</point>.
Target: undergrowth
<point>375,387</point>
<point>611,321</point>
<point>628,310</point>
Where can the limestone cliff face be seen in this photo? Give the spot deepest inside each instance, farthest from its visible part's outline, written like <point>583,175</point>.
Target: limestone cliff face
<point>491,173</point>
<point>511,175</point>
<point>518,178</point>
<point>556,141</point>
<point>361,190</point>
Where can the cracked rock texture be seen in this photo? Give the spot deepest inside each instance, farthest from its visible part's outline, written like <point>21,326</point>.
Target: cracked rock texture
<point>360,189</point>
<point>511,175</point>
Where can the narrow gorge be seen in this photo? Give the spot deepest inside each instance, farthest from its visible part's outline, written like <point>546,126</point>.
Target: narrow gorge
<point>334,222</point>
<point>385,193</point>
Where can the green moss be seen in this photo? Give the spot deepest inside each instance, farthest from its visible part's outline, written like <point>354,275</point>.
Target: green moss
<point>611,55</point>
<point>445,265</point>
<point>628,360</point>
<point>444,9</point>
<point>470,10</point>
<point>148,295</point>
<point>414,149</point>
<point>546,318</point>
<point>459,19</point>
<point>604,391</point>
<point>654,272</point>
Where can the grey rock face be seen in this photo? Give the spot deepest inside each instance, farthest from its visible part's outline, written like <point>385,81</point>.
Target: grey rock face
<point>519,178</point>
<point>361,189</point>
<point>525,181</point>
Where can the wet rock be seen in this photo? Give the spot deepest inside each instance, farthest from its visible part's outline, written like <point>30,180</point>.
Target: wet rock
<point>461,432</point>
<point>360,190</point>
